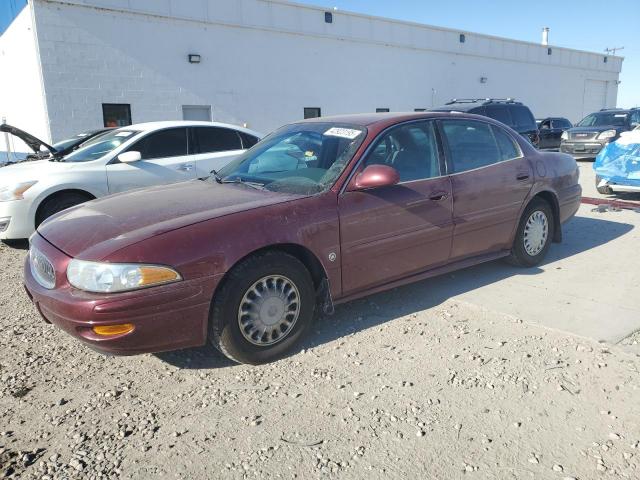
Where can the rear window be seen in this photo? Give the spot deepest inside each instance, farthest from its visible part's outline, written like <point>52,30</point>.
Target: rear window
<point>499,113</point>
<point>523,118</point>
<point>248,141</point>
<point>214,139</point>
<point>471,145</point>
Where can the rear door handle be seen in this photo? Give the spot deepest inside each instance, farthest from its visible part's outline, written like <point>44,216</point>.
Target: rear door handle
<point>439,196</point>
<point>522,176</point>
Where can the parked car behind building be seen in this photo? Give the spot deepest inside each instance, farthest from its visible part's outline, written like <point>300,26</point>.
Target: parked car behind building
<point>320,212</point>
<point>550,131</point>
<point>508,111</point>
<point>116,161</point>
<point>593,132</point>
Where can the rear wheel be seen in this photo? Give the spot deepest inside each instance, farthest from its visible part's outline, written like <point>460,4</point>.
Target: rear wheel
<point>265,306</point>
<point>58,203</point>
<point>534,234</point>
<point>605,189</point>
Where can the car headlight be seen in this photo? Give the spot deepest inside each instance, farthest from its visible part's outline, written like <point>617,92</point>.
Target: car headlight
<point>117,277</point>
<point>607,134</point>
<point>14,191</point>
<point>565,135</point>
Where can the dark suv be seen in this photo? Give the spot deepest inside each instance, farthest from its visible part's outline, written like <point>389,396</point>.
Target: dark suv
<point>596,130</point>
<point>508,111</point>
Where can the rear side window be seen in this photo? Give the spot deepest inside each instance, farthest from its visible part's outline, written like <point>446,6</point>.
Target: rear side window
<point>523,118</point>
<point>171,142</point>
<point>471,144</point>
<point>213,139</point>
<point>506,144</point>
<point>500,113</point>
<point>248,141</point>
<point>560,123</point>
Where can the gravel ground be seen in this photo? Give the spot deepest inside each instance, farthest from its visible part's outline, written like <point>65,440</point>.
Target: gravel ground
<point>389,387</point>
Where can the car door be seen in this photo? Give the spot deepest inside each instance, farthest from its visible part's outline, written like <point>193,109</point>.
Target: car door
<point>391,232</point>
<point>557,127</point>
<point>165,159</point>
<point>546,134</point>
<point>214,147</point>
<point>490,180</point>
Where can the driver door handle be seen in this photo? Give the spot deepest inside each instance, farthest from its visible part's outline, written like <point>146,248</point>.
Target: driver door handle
<point>185,167</point>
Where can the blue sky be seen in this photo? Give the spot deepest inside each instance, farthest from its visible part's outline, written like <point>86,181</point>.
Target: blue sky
<point>583,24</point>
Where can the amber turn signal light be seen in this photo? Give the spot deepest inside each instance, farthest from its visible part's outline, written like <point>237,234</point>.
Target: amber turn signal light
<point>106,330</point>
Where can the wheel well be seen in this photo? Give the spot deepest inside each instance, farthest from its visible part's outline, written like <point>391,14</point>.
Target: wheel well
<point>59,194</point>
<point>552,200</point>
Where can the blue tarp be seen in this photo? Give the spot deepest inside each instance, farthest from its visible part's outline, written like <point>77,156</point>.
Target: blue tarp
<point>9,10</point>
<point>619,162</point>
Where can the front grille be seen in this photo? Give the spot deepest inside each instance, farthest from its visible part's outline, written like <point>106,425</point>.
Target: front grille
<point>42,269</point>
<point>581,148</point>
<point>580,136</point>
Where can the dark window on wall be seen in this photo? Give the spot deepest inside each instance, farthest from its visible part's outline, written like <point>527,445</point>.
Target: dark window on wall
<point>382,110</point>
<point>116,114</point>
<point>463,38</point>
<point>549,51</point>
<point>312,112</point>
<point>328,17</point>
<point>419,109</point>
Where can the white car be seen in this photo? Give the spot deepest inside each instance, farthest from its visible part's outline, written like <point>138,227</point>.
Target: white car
<point>122,159</point>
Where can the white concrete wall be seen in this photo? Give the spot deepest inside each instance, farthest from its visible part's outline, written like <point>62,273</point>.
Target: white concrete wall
<point>264,61</point>
<point>21,94</point>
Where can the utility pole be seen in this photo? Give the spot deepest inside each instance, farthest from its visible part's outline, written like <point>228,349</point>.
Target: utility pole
<point>612,51</point>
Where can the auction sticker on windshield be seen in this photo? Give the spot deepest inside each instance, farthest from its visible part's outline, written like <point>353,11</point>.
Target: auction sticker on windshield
<point>343,133</point>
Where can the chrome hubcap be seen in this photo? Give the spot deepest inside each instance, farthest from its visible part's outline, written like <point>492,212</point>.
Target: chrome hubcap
<point>269,309</point>
<point>536,231</point>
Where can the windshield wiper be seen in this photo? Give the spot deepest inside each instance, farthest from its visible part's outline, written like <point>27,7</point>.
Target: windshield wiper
<point>256,185</point>
<point>215,176</point>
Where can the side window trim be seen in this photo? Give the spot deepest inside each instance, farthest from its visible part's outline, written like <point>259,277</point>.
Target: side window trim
<point>447,150</point>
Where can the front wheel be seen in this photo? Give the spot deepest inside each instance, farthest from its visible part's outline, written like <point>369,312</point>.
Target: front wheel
<point>265,305</point>
<point>605,189</point>
<point>534,234</point>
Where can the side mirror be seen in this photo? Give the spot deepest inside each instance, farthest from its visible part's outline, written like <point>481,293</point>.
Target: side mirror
<point>375,176</point>
<point>130,157</point>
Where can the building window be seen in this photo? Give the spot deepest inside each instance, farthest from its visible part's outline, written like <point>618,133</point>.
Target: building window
<point>116,114</point>
<point>419,109</point>
<point>312,112</point>
<point>382,110</point>
<point>549,51</point>
<point>328,17</point>
<point>605,59</point>
<point>463,38</point>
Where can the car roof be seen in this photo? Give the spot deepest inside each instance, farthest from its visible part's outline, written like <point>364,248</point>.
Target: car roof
<point>150,126</point>
<point>388,118</point>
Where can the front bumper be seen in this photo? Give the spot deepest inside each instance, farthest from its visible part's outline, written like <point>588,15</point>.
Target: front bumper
<point>19,223</point>
<point>168,317</point>
<point>588,149</point>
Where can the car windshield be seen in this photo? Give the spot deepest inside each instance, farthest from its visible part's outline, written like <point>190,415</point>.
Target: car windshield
<point>604,119</point>
<point>304,158</point>
<point>99,146</point>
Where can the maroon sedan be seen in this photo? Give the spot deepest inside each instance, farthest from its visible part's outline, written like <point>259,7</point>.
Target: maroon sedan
<point>318,213</point>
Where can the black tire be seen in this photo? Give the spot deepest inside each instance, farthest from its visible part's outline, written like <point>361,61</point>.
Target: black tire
<point>59,203</point>
<point>606,190</point>
<point>519,255</point>
<point>224,323</point>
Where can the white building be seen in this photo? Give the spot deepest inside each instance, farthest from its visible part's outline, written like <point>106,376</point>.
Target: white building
<point>71,65</point>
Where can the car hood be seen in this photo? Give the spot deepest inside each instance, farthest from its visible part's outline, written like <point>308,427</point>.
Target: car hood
<point>34,170</point>
<point>101,227</point>
<point>32,142</point>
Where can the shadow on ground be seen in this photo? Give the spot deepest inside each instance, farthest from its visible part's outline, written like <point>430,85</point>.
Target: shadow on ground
<point>580,235</point>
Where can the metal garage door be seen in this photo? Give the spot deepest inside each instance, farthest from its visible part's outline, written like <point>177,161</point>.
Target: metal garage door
<point>595,96</point>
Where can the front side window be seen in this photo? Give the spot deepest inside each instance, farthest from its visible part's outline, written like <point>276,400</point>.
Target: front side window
<point>101,145</point>
<point>471,144</point>
<point>171,142</point>
<point>304,158</point>
<point>214,139</point>
<point>411,149</point>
